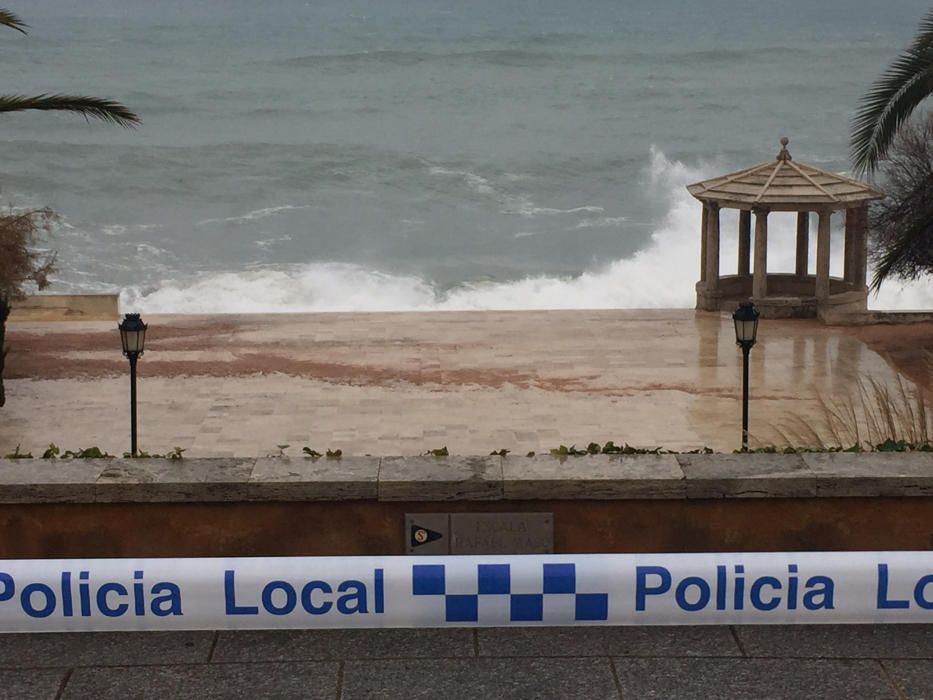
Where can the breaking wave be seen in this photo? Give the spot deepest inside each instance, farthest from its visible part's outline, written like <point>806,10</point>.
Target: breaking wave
<point>660,275</point>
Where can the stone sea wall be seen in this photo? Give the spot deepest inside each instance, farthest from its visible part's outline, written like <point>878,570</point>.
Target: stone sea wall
<point>358,505</point>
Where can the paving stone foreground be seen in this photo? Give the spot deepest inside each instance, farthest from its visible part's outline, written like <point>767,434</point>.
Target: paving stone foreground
<point>754,662</point>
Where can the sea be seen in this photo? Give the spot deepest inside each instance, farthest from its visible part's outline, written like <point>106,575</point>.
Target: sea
<point>392,155</point>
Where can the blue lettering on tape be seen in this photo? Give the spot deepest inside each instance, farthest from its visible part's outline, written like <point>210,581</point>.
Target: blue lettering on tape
<point>278,597</point>
<point>765,593</point>
<point>922,598</point>
<point>105,598</point>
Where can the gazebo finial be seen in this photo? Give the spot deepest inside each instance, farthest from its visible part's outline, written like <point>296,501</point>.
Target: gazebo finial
<point>784,154</point>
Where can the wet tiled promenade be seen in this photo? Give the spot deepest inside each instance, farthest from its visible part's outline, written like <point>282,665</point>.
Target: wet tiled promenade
<point>402,384</point>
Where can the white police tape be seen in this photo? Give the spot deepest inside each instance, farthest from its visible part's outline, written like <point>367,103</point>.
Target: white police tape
<point>359,592</point>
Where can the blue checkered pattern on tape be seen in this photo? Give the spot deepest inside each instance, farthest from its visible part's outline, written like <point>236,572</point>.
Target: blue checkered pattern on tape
<point>496,580</point>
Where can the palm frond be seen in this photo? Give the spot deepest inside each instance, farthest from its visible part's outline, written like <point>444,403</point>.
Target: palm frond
<point>892,99</point>
<point>103,109</point>
<point>8,19</point>
<point>915,232</point>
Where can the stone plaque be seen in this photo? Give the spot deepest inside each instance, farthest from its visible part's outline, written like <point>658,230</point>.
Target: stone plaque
<point>427,533</point>
<point>501,533</point>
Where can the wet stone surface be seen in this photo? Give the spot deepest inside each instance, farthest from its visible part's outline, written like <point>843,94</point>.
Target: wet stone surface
<point>440,478</point>
<point>720,662</point>
<point>314,479</point>
<point>747,476</point>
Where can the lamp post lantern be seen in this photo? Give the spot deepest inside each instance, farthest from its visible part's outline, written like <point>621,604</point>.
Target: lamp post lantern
<point>133,337</point>
<point>745,319</point>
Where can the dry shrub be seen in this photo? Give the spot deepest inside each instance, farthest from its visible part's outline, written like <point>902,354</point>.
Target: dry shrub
<point>22,264</point>
<point>875,413</point>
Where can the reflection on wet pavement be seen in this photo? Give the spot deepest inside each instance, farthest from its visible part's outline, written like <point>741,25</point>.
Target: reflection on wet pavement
<point>404,383</point>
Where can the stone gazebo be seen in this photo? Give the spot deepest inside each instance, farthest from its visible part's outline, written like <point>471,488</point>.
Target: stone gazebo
<point>783,185</point>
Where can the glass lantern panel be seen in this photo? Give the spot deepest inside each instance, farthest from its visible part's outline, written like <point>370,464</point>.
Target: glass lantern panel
<point>133,341</point>
<point>745,330</point>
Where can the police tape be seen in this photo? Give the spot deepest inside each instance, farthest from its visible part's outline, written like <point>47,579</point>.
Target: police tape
<point>450,591</point>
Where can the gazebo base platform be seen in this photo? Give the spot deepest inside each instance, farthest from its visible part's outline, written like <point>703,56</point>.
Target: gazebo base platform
<point>790,296</point>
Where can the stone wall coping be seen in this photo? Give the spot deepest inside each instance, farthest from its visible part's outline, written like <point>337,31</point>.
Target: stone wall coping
<point>468,478</point>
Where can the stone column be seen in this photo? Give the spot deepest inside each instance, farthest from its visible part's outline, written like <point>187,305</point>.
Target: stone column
<point>760,280</point>
<point>712,249</point>
<point>704,225</point>
<point>860,245</point>
<point>745,242</point>
<point>850,254</point>
<point>822,256</point>
<point>803,243</point>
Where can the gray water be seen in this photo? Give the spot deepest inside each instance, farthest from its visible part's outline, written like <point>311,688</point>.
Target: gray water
<point>418,153</point>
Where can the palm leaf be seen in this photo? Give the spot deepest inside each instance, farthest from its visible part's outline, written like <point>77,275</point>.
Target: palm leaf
<point>915,233</point>
<point>892,99</point>
<point>103,109</point>
<point>8,19</point>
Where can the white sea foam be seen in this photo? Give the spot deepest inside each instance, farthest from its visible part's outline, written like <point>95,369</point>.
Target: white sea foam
<point>316,287</point>
<point>147,250</point>
<point>255,214</point>
<point>916,295</point>
<point>120,229</point>
<point>511,203</point>
<point>660,275</point>
<point>602,222</point>
<point>536,211</point>
<point>268,242</point>
<point>477,183</point>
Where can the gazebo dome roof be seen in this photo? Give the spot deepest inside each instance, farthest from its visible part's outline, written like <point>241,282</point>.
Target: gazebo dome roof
<point>784,185</point>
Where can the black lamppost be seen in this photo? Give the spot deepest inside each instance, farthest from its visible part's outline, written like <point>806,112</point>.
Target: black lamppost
<point>746,332</point>
<point>133,337</point>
